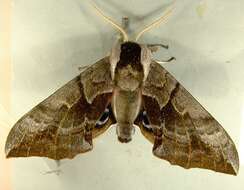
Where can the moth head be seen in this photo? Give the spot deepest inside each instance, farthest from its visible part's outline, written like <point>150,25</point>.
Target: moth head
<point>130,64</point>
<point>129,58</point>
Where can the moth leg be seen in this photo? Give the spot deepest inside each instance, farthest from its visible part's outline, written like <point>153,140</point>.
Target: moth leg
<point>54,167</point>
<point>55,170</point>
<point>161,62</point>
<point>155,47</point>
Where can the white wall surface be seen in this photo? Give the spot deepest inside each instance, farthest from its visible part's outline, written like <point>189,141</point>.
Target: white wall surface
<point>52,38</point>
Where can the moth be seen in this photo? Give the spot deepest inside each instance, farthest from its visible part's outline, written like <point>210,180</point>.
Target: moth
<point>126,89</point>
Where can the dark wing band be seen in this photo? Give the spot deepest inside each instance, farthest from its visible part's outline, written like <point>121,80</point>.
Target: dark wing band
<point>61,126</point>
<point>190,137</point>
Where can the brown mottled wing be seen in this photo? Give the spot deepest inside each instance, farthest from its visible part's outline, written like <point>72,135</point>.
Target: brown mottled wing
<point>63,125</point>
<point>185,134</point>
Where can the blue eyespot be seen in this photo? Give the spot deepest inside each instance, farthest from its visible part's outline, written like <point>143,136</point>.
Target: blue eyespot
<point>145,121</point>
<point>103,119</point>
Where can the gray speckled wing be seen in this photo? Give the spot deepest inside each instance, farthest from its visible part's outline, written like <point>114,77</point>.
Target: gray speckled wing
<point>63,125</point>
<point>190,137</point>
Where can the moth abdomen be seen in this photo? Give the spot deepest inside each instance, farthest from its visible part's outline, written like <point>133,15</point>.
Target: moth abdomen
<point>125,132</point>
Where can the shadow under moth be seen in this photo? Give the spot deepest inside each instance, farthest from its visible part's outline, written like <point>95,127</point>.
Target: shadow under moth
<point>127,89</point>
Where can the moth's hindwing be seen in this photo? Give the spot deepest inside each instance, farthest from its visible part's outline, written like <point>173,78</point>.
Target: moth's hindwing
<point>63,125</point>
<point>191,137</point>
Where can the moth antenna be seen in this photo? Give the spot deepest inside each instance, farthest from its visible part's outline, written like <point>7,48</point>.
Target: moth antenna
<point>109,20</point>
<point>157,22</point>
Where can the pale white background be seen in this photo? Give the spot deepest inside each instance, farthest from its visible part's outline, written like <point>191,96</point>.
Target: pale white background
<point>52,38</point>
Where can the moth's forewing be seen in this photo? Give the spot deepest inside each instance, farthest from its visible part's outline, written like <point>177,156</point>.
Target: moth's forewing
<point>191,137</point>
<point>63,125</point>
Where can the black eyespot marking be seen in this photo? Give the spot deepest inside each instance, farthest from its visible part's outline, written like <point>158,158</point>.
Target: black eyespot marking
<point>104,118</point>
<point>145,122</point>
